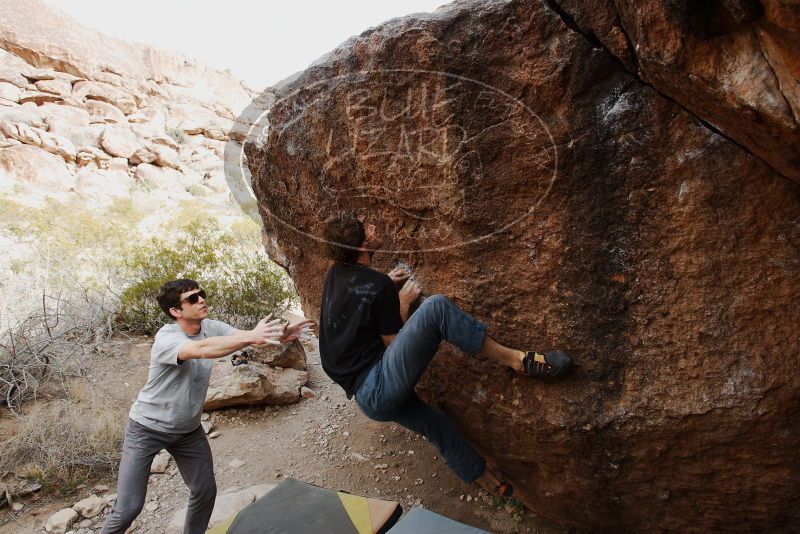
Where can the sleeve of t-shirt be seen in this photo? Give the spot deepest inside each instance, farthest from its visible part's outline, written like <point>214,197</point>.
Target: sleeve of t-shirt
<point>214,328</point>
<point>386,308</point>
<point>166,346</point>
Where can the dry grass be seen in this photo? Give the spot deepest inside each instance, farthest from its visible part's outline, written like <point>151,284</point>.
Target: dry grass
<point>52,343</point>
<point>66,442</point>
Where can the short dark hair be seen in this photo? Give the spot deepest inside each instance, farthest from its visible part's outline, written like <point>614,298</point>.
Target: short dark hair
<point>344,234</point>
<point>169,295</point>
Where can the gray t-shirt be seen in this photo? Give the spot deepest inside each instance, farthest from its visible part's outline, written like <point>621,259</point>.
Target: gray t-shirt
<point>172,399</point>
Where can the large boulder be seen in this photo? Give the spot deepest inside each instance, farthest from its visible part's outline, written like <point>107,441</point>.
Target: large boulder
<point>252,383</point>
<point>28,166</point>
<point>53,143</point>
<point>103,112</point>
<point>732,63</point>
<point>58,117</point>
<point>522,170</point>
<point>24,115</point>
<point>119,141</point>
<point>57,87</point>
<point>12,76</point>
<point>107,93</point>
<point>165,156</point>
<point>9,92</point>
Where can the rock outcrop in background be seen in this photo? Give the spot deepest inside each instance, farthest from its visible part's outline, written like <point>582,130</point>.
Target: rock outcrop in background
<point>88,116</point>
<point>620,183</point>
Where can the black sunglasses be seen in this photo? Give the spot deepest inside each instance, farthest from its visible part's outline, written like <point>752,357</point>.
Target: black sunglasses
<point>194,297</point>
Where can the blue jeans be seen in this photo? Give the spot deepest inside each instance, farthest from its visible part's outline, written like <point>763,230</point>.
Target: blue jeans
<point>387,392</point>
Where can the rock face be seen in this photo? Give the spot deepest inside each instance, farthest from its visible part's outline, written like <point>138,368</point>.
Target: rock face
<point>733,63</point>
<point>531,175</point>
<point>74,93</point>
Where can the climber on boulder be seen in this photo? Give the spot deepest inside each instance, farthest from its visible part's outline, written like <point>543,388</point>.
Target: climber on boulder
<point>377,353</point>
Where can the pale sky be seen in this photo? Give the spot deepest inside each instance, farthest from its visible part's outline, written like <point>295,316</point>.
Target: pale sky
<point>260,42</point>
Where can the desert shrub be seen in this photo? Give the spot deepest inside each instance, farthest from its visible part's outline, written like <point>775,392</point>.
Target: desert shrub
<point>178,135</point>
<point>66,442</point>
<point>242,283</point>
<point>62,244</point>
<point>52,342</point>
<point>197,190</point>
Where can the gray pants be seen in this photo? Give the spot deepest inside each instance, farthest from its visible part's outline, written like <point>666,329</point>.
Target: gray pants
<point>193,457</point>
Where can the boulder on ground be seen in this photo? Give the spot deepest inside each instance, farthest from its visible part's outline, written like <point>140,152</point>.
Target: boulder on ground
<point>119,141</point>
<point>90,506</point>
<point>142,156</point>
<point>10,92</point>
<point>165,156</point>
<point>58,116</point>
<point>56,87</point>
<point>24,115</point>
<point>10,75</point>
<point>160,462</point>
<point>105,93</point>
<point>31,166</point>
<point>61,521</point>
<point>87,155</point>
<point>50,142</point>
<point>291,355</point>
<point>103,112</point>
<point>252,383</point>
<point>58,145</point>
<point>82,136</point>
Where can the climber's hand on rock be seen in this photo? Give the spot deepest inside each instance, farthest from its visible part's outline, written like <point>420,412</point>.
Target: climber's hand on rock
<point>409,293</point>
<point>398,276</point>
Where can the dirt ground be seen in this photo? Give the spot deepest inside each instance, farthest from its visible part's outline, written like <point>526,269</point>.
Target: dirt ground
<point>323,440</point>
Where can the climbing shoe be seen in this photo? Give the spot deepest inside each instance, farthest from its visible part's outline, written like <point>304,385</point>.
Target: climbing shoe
<point>551,364</point>
<point>503,489</point>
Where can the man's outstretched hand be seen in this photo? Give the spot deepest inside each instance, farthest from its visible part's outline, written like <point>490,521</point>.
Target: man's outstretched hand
<point>297,330</point>
<point>268,331</point>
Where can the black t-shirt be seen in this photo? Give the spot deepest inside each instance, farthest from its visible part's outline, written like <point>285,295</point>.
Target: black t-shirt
<point>359,305</point>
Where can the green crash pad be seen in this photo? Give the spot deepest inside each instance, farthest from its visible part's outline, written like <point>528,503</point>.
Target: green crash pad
<point>294,506</point>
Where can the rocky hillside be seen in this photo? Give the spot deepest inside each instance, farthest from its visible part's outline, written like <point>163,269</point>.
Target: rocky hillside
<point>617,182</point>
<point>88,116</point>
